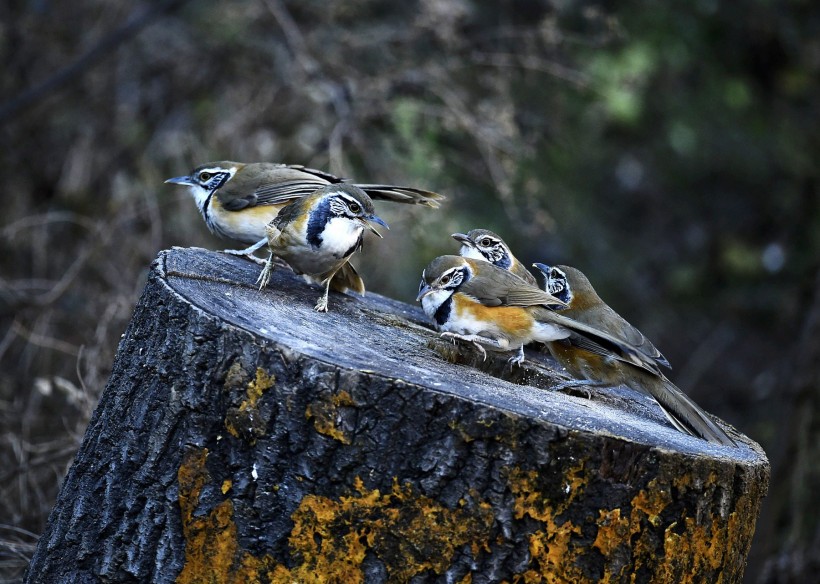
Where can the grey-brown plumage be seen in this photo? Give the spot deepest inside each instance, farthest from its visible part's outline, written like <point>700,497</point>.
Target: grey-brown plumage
<point>599,364</point>
<point>572,286</point>
<point>267,183</point>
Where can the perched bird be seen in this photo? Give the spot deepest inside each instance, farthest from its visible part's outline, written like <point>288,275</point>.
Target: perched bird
<point>600,365</point>
<point>317,234</point>
<point>483,244</point>
<point>238,200</point>
<point>479,303</point>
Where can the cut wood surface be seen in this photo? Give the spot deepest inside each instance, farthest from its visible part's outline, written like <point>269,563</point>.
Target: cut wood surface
<point>243,437</point>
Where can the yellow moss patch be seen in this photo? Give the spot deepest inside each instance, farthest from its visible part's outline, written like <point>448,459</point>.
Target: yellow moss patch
<point>613,531</point>
<point>712,544</point>
<point>325,414</point>
<point>530,501</point>
<point>245,421</point>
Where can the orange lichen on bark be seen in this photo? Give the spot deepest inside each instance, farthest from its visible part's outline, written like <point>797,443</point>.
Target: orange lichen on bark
<point>325,415</point>
<point>693,549</point>
<point>409,532</point>
<point>553,555</point>
<point>212,553</point>
<point>709,543</point>
<point>245,421</point>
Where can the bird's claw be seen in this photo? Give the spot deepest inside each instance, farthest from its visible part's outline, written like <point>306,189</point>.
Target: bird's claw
<point>515,360</point>
<point>476,344</point>
<point>321,305</point>
<point>264,275</point>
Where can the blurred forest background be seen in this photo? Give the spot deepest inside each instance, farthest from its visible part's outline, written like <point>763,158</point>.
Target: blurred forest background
<point>669,150</point>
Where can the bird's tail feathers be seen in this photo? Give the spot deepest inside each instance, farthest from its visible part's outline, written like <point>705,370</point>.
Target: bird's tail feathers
<point>684,413</point>
<point>409,195</point>
<point>347,278</point>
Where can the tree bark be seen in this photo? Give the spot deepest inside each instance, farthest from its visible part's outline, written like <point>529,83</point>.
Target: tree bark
<point>244,437</point>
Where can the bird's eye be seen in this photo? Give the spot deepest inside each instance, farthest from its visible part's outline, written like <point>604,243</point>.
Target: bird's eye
<point>445,279</point>
<point>486,242</point>
<point>354,207</point>
<point>204,176</point>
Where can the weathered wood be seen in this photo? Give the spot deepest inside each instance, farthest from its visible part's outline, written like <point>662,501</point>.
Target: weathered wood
<point>245,438</point>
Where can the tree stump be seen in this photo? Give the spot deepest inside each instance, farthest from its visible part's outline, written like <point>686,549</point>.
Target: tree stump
<point>243,437</point>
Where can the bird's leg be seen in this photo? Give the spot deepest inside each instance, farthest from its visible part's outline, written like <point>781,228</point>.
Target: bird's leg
<point>517,359</point>
<point>264,276</point>
<point>478,341</point>
<point>321,305</point>
<point>248,251</point>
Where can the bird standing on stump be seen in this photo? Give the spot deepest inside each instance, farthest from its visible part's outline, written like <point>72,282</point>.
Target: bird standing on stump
<point>317,235</point>
<point>238,200</point>
<point>601,367</point>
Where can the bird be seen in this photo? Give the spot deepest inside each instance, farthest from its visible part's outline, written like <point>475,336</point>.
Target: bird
<point>483,244</point>
<point>317,234</point>
<point>480,303</point>
<point>238,200</point>
<point>601,366</point>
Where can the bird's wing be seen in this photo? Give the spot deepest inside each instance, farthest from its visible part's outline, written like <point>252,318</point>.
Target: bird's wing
<point>272,184</point>
<point>599,341</point>
<point>289,213</point>
<point>286,191</point>
<point>607,319</point>
<point>347,278</point>
<point>496,287</point>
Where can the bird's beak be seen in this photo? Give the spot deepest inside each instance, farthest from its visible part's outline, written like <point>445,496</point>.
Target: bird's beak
<point>460,237</point>
<point>180,180</point>
<point>544,268</point>
<point>423,291</point>
<point>374,219</point>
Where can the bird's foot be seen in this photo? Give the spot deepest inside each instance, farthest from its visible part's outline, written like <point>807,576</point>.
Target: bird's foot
<point>247,256</point>
<point>248,251</point>
<point>321,305</point>
<point>516,359</point>
<point>469,339</point>
<point>264,276</point>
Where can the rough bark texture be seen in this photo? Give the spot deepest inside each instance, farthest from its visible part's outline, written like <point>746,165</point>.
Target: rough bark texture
<point>245,438</point>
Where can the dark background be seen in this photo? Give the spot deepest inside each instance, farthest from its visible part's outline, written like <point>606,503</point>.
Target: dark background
<point>669,150</point>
